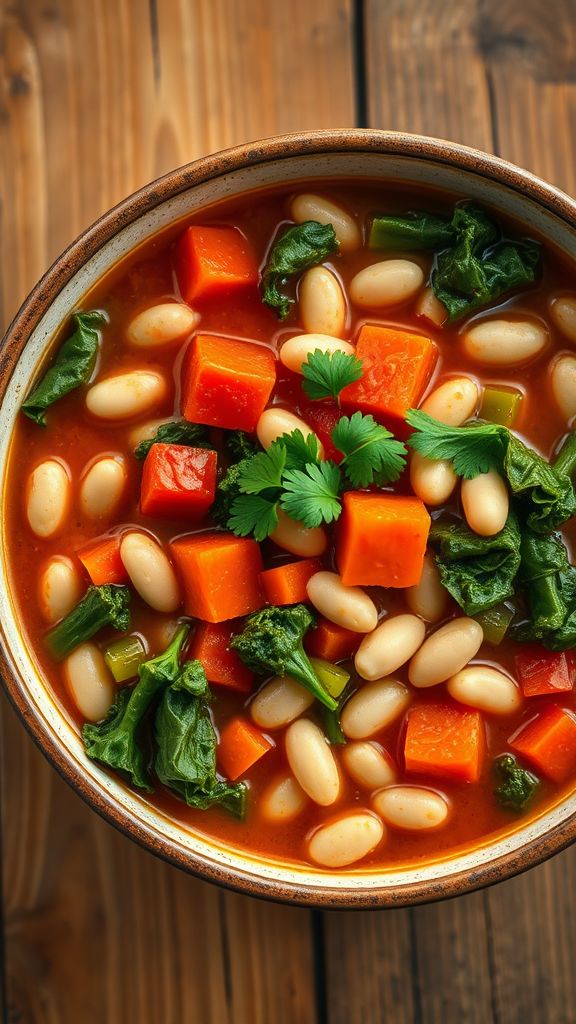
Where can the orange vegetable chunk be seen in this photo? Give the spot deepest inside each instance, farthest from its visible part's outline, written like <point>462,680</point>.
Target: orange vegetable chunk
<point>542,672</point>
<point>221,575</point>
<point>445,742</point>
<point>178,480</point>
<point>548,742</point>
<point>241,745</point>
<point>211,646</point>
<point>381,540</point>
<point>101,559</point>
<point>397,366</point>
<point>210,260</point>
<point>226,382</point>
<point>286,584</point>
<point>331,642</point>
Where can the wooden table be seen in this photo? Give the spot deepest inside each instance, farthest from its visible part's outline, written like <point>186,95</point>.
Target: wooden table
<point>96,98</point>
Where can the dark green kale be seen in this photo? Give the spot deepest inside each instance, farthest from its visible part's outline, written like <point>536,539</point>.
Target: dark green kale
<point>193,435</point>
<point>548,583</point>
<point>101,606</point>
<point>300,247</point>
<point>415,230</point>
<point>479,572</point>
<point>271,644</point>
<point>72,366</point>
<point>517,786</point>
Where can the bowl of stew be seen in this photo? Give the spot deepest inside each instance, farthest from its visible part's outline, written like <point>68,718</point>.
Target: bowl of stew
<point>286,453</point>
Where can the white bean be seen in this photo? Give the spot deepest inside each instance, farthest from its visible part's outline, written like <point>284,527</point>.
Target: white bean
<point>485,502</point>
<point>563,379</point>
<point>563,315</point>
<point>428,598</point>
<point>293,536</point>
<point>445,652</point>
<point>373,707</point>
<point>162,324</point>
<point>485,688</point>
<point>321,302</point>
<point>368,765</point>
<point>411,807</point>
<point>126,395</point>
<point>430,308</point>
<point>308,206</point>
<point>505,342</point>
<point>89,682</point>
<point>452,402</point>
<point>386,284</point>
<point>391,645</point>
<point>59,590</point>
<point>312,762</point>
<point>279,702</point>
<point>146,431</point>
<point>346,840</point>
<point>47,498</point>
<point>276,421</point>
<point>432,480</point>
<point>103,487</point>
<point>150,571</point>
<point>349,607</point>
<point>295,351</point>
<point>283,800</point>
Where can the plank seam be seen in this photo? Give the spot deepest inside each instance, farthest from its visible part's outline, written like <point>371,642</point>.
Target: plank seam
<point>359,64</point>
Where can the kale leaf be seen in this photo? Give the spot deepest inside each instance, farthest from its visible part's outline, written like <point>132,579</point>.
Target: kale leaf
<point>182,432</point>
<point>72,366</point>
<point>478,572</point>
<point>517,786</point>
<point>101,606</point>
<point>548,583</point>
<point>300,247</point>
<point>414,230</point>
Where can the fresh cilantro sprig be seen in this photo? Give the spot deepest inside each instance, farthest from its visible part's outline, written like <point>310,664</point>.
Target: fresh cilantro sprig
<point>326,374</point>
<point>312,495</point>
<point>372,455</point>
<point>471,450</point>
<point>300,450</point>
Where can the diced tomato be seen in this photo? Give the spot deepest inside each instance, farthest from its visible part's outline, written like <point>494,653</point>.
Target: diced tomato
<point>178,481</point>
<point>445,742</point>
<point>543,672</point>
<point>548,742</point>
<point>286,584</point>
<point>241,745</point>
<point>322,417</point>
<point>331,642</point>
<point>221,575</point>
<point>226,382</point>
<point>381,539</point>
<point>396,367</point>
<point>101,559</point>
<point>210,645</point>
<point>210,260</point>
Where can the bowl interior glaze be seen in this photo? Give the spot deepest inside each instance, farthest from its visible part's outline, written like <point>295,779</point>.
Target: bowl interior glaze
<point>345,154</point>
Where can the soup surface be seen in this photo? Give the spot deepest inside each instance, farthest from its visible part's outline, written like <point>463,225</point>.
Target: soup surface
<point>219,475</point>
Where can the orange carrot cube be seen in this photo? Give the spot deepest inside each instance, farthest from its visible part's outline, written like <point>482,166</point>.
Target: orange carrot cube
<point>381,540</point>
<point>445,742</point>
<point>226,382</point>
<point>211,646</point>
<point>221,575</point>
<point>101,559</point>
<point>331,642</point>
<point>212,259</point>
<point>548,742</point>
<point>241,745</point>
<point>286,584</point>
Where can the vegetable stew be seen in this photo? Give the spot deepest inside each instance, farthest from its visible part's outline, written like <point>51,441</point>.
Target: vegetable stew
<point>290,523</point>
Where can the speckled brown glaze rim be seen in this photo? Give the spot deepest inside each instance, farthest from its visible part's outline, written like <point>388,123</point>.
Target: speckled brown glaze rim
<point>436,151</point>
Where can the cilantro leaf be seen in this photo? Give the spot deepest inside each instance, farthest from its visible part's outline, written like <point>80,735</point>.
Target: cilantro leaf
<point>327,373</point>
<point>312,495</point>
<point>471,450</point>
<point>263,471</point>
<point>371,453</point>
<point>299,450</point>
<point>253,515</point>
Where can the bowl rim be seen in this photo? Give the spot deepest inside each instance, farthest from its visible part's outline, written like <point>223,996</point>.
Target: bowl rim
<point>82,249</point>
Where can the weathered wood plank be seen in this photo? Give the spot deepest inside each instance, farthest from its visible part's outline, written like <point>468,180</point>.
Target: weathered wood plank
<point>95,99</point>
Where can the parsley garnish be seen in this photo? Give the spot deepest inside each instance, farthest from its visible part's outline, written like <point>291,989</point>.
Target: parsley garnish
<point>312,495</point>
<point>263,470</point>
<point>327,373</point>
<point>371,454</point>
<point>300,450</point>
<point>471,450</point>
<point>253,515</point>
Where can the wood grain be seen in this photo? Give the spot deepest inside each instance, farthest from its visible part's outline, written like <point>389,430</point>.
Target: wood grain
<point>96,98</point>
<point>498,75</point>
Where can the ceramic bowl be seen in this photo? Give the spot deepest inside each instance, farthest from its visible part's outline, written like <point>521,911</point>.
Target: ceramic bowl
<point>348,154</point>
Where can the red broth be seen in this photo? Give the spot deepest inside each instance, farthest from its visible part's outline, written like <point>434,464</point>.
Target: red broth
<point>73,435</point>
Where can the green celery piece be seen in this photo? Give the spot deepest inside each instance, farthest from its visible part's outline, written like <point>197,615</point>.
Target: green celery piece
<point>495,622</point>
<point>124,657</point>
<point>412,231</point>
<point>101,606</point>
<point>333,677</point>
<point>72,366</point>
<point>500,405</point>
